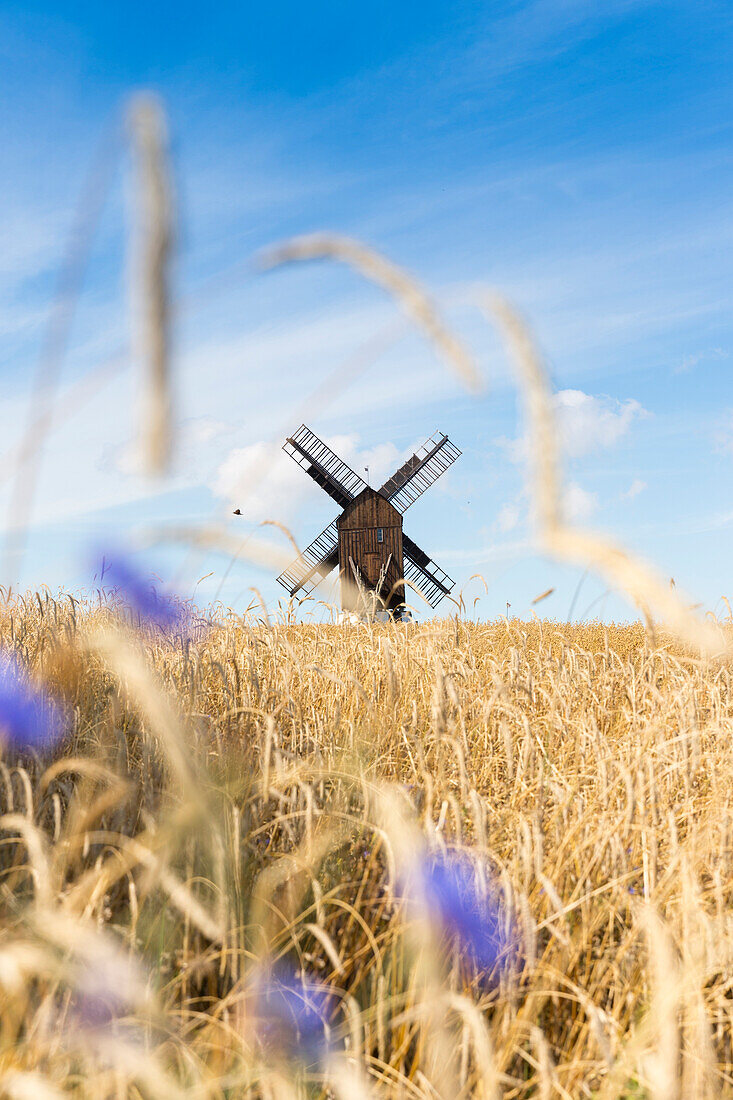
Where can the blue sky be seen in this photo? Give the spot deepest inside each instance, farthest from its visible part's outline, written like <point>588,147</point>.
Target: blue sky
<point>577,156</point>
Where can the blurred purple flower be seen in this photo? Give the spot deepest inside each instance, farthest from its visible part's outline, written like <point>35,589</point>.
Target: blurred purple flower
<point>108,986</point>
<point>462,909</point>
<point>118,576</point>
<point>292,1017</point>
<point>29,717</point>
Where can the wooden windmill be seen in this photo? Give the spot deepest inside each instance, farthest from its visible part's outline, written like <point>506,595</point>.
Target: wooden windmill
<point>366,541</point>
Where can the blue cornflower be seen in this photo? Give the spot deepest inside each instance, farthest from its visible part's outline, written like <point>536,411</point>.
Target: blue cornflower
<point>29,717</point>
<point>108,985</point>
<point>292,1017</point>
<point>140,595</point>
<point>454,901</point>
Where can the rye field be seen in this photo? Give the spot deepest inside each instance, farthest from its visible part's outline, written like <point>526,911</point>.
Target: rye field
<point>243,858</point>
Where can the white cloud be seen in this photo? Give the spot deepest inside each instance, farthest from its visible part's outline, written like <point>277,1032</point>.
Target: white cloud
<point>508,517</point>
<point>637,486</point>
<point>587,423</point>
<point>265,483</point>
<point>584,423</point>
<point>262,481</point>
<point>382,460</point>
<point>578,503</point>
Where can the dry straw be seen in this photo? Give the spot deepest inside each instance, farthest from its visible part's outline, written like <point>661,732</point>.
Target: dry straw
<point>317,764</point>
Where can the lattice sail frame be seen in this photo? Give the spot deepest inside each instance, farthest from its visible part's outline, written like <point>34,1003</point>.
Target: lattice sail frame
<point>430,580</point>
<point>420,471</point>
<point>314,563</point>
<point>343,484</point>
<point>325,467</point>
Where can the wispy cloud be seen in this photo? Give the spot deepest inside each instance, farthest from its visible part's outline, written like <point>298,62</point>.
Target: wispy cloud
<point>690,361</point>
<point>478,555</point>
<point>32,239</point>
<point>724,434</point>
<point>637,486</point>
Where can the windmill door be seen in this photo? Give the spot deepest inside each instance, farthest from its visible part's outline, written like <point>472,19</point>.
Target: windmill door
<point>371,568</point>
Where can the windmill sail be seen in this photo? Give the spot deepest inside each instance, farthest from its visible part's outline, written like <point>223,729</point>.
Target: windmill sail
<point>325,467</point>
<point>420,471</point>
<point>315,563</point>
<point>432,582</point>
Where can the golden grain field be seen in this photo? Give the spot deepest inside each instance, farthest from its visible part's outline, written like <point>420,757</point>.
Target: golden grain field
<point>257,799</point>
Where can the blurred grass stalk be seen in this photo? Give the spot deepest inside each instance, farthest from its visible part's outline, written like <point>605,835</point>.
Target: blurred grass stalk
<point>567,543</point>
<point>150,275</point>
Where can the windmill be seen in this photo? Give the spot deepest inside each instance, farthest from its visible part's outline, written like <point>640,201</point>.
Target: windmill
<point>366,541</point>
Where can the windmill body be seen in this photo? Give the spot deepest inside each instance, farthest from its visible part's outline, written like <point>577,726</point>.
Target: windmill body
<point>377,561</point>
<point>370,552</point>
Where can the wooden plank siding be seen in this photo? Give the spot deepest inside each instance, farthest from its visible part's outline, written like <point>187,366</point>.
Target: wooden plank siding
<point>358,528</point>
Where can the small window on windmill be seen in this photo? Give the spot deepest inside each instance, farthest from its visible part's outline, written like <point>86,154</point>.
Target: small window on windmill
<point>380,534</point>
